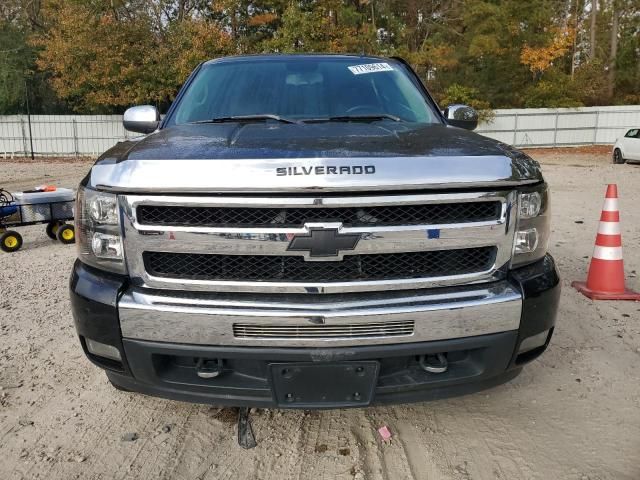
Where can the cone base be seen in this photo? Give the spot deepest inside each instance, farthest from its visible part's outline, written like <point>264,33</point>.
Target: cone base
<point>594,295</point>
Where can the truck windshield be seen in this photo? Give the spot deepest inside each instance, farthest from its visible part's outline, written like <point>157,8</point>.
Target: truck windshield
<point>303,89</point>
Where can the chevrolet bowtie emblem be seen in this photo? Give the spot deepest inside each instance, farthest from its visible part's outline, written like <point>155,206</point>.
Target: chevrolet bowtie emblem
<point>323,242</point>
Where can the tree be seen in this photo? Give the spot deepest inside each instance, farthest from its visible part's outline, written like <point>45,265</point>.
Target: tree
<point>327,25</point>
<point>19,76</point>
<point>15,60</point>
<point>468,96</point>
<point>105,55</point>
<point>615,17</point>
<point>594,15</point>
<point>540,59</point>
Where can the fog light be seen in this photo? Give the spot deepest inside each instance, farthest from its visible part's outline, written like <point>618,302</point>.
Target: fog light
<point>533,342</point>
<point>105,245</point>
<point>526,240</point>
<point>103,350</point>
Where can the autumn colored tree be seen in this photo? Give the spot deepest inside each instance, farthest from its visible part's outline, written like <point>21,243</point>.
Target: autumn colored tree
<point>540,59</point>
<point>104,55</point>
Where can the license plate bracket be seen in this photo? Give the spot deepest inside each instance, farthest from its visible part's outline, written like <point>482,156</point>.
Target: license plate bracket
<point>324,385</point>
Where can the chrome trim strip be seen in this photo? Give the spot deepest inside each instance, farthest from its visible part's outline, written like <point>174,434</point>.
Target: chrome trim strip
<point>208,320</point>
<point>260,174</point>
<point>318,287</point>
<point>273,241</point>
<point>268,242</point>
<point>311,201</point>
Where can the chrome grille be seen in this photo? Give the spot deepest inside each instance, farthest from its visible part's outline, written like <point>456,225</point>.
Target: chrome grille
<point>319,332</point>
<point>198,253</point>
<point>296,269</point>
<point>428,214</point>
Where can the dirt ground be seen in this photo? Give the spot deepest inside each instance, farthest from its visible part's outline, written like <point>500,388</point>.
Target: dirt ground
<point>573,414</point>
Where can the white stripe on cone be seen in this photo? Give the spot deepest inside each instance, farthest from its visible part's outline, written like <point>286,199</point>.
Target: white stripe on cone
<point>609,228</point>
<point>607,253</point>
<point>610,205</point>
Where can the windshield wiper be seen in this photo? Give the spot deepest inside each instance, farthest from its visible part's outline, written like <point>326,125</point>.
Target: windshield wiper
<point>247,118</point>
<point>354,118</point>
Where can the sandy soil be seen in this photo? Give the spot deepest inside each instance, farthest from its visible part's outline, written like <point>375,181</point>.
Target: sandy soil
<point>573,414</point>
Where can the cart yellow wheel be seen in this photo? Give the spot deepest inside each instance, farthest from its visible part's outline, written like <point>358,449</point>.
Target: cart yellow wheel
<point>52,229</point>
<point>66,234</point>
<point>10,241</point>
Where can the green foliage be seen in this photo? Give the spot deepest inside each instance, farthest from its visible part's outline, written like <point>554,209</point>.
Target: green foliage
<point>551,94</point>
<point>15,59</point>
<point>456,93</point>
<point>628,62</point>
<point>590,84</point>
<point>323,28</point>
<point>103,55</point>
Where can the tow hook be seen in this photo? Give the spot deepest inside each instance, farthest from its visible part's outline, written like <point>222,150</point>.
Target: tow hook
<point>208,368</point>
<point>434,363</point>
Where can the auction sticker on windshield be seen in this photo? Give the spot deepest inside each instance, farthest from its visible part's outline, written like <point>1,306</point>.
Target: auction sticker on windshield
<point>370,68</point>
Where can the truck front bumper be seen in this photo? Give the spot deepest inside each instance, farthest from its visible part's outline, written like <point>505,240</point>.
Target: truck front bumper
<point>159,336</point>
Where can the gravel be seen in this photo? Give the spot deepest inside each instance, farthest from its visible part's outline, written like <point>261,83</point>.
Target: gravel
<point>572,414</point>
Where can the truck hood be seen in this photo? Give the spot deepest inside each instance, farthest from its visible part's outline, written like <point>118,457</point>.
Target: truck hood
<point>264,157</point>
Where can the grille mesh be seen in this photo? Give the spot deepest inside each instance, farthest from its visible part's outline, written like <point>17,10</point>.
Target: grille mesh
<point>197,266</point>
<point>430,214</point>
<point>319,332</point>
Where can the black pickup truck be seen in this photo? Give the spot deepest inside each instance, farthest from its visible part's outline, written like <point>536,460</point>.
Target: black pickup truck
<point>311,231</point>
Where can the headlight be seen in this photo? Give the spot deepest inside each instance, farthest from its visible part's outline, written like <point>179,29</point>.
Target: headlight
<point>530,204</point>
<point>532,232</point>
<point>99,239</point>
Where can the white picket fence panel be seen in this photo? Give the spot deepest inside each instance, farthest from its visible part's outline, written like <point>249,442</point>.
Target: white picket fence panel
<point>558,127</point>
<point>79,135</point>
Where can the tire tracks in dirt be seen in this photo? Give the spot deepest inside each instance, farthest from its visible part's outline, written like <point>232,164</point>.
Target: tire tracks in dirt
<point>571,414</point>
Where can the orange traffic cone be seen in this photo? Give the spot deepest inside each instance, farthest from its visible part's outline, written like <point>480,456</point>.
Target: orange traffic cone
<point>605,280</point>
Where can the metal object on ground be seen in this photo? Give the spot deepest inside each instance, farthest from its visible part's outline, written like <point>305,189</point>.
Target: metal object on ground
<point>246,438</point>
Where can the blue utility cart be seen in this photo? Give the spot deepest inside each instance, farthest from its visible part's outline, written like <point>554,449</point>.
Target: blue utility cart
<point>51,207</point>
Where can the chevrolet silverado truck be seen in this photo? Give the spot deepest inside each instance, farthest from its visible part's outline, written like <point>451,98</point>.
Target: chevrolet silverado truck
<point>311,231</point>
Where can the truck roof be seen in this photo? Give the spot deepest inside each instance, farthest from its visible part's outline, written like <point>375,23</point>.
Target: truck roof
<point>294,56</point>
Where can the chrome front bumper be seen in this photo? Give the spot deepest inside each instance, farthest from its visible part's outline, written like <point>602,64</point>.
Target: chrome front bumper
<point>213,319</point>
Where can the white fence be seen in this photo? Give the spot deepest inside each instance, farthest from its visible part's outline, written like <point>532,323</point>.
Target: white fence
<point>549,127</point>
<point>542,127</point>
<point>62,135</point>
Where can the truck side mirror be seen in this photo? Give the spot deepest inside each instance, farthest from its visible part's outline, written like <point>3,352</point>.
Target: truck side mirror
<point>141,119</point>
<point>462,116</point>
